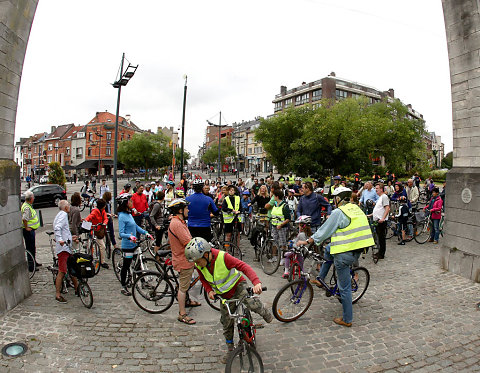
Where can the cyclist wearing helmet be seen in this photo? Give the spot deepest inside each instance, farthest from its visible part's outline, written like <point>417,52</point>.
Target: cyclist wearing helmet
<point>199,210</point>
<point>179,237</point>
<point>170,193</point>
<point>126,189</point>
<point>350,233</point>
<point>336,181</point>
<point>231,207</point>
<point>311,204</point>
<point>220,274</point>
<point>127,229</point>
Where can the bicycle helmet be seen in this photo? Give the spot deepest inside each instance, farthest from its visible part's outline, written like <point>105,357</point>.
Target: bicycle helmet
<point>198,182</point>
<point>196,248</point>
<point>246,192</point>
<point>304,219</point>
<point>180,193</point>
<point>370,203</point>
<point>127,185</point>
<point>337,177</point>
<point>177,204</point>
<point>319,190</point>
<point>298,178</point>
<point>152,183</point>
<point>343,193</point>
<point>170,183</point>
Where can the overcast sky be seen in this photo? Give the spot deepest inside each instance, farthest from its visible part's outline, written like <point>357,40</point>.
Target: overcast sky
<point>236,55</point>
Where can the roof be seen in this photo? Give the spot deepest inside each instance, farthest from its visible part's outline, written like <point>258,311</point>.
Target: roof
<point>60,131</point>
<point>72,131</point>
<point>106,117</point>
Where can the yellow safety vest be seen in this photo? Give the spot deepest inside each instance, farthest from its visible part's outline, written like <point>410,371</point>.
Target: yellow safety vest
<point>223,279</point>
<point>332,188</point>
<point>33,223</point>
<point>357,235</point>
<point>277,214</point>
<point>228,216</point>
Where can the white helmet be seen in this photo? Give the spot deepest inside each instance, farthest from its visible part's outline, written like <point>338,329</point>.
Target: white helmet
<point>196,248</point>
<point>342,193</point>
<point>304,219</point>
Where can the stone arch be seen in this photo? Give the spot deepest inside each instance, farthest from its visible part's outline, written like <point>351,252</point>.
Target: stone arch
<point>461,250</point>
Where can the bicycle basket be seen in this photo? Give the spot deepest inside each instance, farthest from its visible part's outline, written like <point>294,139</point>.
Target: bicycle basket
<point>420,215</point>
<point>81,265</point>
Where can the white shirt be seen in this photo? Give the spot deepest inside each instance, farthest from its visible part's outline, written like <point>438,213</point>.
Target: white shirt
<point>249,183</point>
<point>379,209</point>
<point>62,232</point>
<point>149,195</point>
<point>103,189</point>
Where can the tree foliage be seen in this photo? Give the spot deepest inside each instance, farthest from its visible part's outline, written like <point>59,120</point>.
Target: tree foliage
<point>226,150</point>
<point>56,175</point>
<point>447,161</point>
<point>146,151</point>
<point>178,155</point>
<point>343,137</point>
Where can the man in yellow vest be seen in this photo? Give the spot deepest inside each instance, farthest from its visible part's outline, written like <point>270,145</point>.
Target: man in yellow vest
<point>231,208</point>
<point>350,233</point>
<point>220,274</point>
<point>336,181</point>
<point>30,224</point>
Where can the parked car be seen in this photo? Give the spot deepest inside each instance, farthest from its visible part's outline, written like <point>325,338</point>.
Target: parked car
<point>44,179</point>
<point>50,194</point>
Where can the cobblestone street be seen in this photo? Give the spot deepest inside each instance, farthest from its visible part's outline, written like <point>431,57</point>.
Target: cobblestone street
<point>413,317</point>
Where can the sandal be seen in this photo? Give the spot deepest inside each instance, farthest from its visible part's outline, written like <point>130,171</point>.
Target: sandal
<point>193,303</point>
<point>186,319</point>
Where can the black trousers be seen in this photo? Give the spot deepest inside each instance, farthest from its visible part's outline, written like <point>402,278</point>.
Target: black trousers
<point>29,237</point>
<point>204,232</point>
<point>382,240</point>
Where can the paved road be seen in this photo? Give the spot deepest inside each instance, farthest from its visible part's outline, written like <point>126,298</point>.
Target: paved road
<point>414,317</point>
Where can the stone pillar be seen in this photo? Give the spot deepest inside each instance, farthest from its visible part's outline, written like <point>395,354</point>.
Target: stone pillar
<point>460,252</point>
<point>16,18</point>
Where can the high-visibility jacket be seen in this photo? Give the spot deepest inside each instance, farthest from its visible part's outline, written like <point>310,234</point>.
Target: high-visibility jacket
<point>332,188</point>
<point>223,279</point>
<point>34,222</point>
<point>277,216</point>
<point>228,216</point>
<point>357,235</point>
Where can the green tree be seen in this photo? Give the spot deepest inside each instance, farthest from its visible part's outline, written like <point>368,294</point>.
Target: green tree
<point>56,175</point>
<point>226,150</point>
<point>178,155</point>
<point>447,161</point>
<point>145,151</point>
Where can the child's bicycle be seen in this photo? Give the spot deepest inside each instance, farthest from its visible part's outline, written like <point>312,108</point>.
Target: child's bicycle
<point>244,358</point>
<point>294,299</point>
<point>79,266</point>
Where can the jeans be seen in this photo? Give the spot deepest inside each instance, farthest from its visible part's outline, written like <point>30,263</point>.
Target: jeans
<point>435,232</point>
<point>29,237</point>
<point>342,262</point>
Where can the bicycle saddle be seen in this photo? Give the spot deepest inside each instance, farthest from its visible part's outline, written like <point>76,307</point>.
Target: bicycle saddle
<point>163,253</point>
<point>50,233</point>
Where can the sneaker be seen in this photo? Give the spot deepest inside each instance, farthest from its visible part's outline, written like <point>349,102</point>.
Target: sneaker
<point>61,299</point>
<point>105,265</point>
<point>435,242</point>
<point>270,260</point>
<point>285,275</point>
<point>267,316</point>
<point>38,264</point>
<point>126,292</point>
<point>274,259</point>
<point>401,243</point>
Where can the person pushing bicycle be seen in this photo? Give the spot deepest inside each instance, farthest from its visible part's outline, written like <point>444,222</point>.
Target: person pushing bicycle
<point>220,274</point>
<point>350,233</point>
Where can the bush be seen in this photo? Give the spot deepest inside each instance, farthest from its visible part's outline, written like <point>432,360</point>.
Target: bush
<point>56,175</point>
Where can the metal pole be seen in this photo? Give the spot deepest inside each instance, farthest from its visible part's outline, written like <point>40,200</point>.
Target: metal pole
<point>116,141</point>
<point>183,124</point>
<point>99,150</point>
<point>219,137</point>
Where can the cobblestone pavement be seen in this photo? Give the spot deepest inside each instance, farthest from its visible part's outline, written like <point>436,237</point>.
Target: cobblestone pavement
<point>413,317</point>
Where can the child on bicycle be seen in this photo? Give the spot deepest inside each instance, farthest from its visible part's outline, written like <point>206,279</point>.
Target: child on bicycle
<point>220,274</point>
<point>246,205</point>
<point>305,232</point>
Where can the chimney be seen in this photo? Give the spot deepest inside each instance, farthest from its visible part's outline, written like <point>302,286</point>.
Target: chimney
<point>332,73</point>
<point>283,90</point>
<point>409,106</point>
<point>391,93</point>
<point>53,129</point>
<point>127,118</point>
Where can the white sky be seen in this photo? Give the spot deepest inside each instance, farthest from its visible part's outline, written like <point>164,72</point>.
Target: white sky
<point>236,55</point>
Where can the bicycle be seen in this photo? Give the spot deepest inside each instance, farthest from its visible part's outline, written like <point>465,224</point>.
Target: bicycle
<point>82,271</point>
<point>227,246</point>
<point>244,358</point>
<point>375,248</point>
<point>295,298</point>
<point>89,202</point>
<point>270,256</point>
<point>424,226</point>
<point>90,245</point>
<point>31,263</point>
<point>160,288</point>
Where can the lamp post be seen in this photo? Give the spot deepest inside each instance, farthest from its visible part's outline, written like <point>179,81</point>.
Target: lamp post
<point>99,135</point>
<point>123,79</point>
<point>183,122</point>
<point>219,138</point>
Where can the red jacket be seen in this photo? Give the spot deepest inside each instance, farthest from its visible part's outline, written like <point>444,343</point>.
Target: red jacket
<point>230,262</point>
<point>140,203</point>
<point>437,208</point>
<point>97,217</point>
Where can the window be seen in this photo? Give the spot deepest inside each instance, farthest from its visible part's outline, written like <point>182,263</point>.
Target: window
<point>288,102</point>
<point>128,137</point>
<point>121,137</point>
<point>80,135</point>
<point>67,151</point>
<point>49,159</point>
<point>278,106</point>
<point>50,146</point>
<point>89,152</point>
<point>317,95</point>
<point>109,151</point>
<point>90,136</point>
<point>250,150</point>
<point>340,94</point>
<point>301,99</point>
<point>109,135</point>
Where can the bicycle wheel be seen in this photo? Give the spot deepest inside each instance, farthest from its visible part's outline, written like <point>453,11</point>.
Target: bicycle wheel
<point>292,300</point>
<point>231,248</point>
<point>85,294</point>
<point>31,264</point>
<point>214,304</point>
<point>268,259</point>
<point>410,233</point>
<point>94,251</point>
<point>391,229</point>
<point>247,224</point>
<point>117,262</point>
<point>422,231</point>
<point>149,264</point>
<point>244,359</point>
<point>294,272</point>
<point>153,293</point>
<point>360,281</point>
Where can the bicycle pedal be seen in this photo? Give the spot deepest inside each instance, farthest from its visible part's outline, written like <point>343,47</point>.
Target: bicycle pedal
<point>329,292</point>
<point>259,326</point>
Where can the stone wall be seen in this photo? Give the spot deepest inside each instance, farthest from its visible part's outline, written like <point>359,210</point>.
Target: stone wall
<point>460,252</point>
<point>16,18</point>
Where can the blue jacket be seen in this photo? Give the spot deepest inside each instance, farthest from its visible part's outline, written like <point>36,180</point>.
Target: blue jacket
<point>244,203</point>
<point>127,227</point>
<point>199,210</point>
<point>312,205</point>
<point>396,197</point>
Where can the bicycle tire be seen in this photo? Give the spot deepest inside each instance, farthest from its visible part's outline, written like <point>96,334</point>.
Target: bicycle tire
<point>117,262</point>
<point>410,229</point>
<point>244,358</point>
<point>247,224</point>
<point>231,248</point>
<point>94,251</point>
<point>422,231</point>
<point>289,298</point>
<point>83,206</point>
<point>85,294</point>
<point>210,302</point>
<point>153,293</point>
<point>360,282</point>
<point>294,272</point>
<point>150,264</point>
<point>269,261</point>
<point>390,229</point>
<point>27,255</point>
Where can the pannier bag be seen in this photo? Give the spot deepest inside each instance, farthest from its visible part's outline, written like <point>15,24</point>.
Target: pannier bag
<point>80,265</point>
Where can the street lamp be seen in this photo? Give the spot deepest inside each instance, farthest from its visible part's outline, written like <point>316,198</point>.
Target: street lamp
<point>123,79</point>
<point>219,138</point>
<point>99,135</point>
<point>183,123</point>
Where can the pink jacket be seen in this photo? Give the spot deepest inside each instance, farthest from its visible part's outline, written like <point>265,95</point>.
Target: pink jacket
<point>437,208</point>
